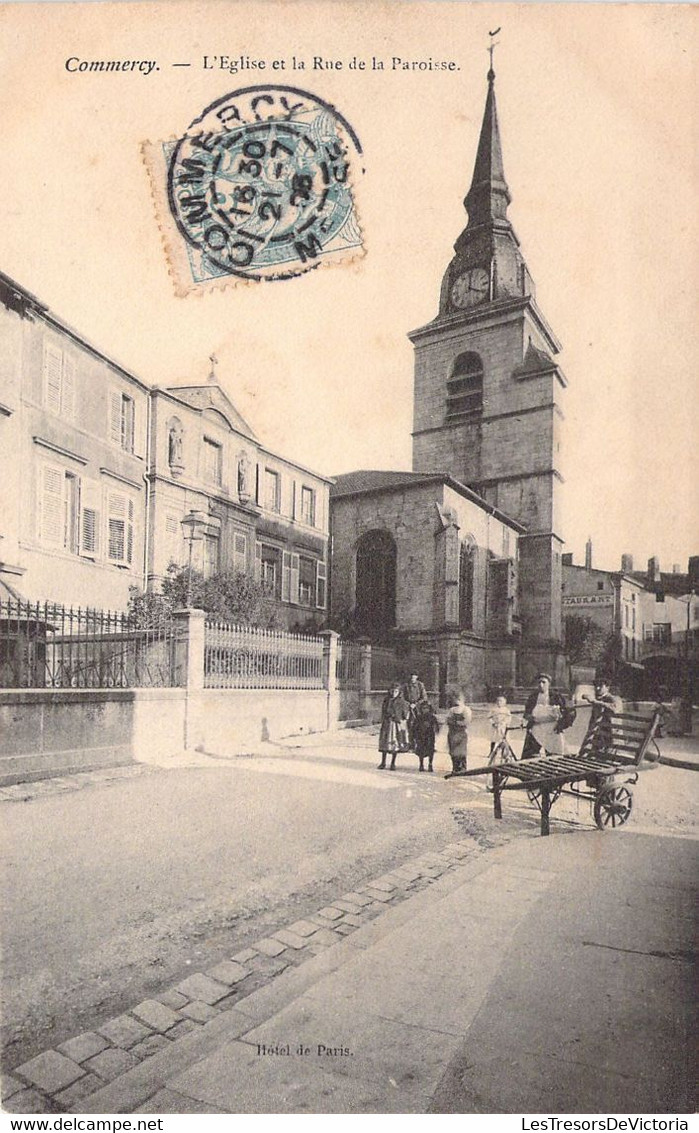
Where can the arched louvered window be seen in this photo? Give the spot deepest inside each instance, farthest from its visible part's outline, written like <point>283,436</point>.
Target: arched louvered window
<point>465,387</point>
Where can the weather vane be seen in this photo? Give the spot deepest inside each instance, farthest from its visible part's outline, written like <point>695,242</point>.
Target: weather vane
<point>213,360</point>
<point>491,47</point>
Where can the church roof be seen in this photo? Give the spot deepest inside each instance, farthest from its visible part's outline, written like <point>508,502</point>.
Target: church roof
<point>535,362</point>
<point>370,481</point>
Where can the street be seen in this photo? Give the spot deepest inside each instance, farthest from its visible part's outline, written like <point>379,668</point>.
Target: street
<point>114,891</point>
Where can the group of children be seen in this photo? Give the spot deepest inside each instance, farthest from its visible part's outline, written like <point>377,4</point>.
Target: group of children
<point>409,723</point>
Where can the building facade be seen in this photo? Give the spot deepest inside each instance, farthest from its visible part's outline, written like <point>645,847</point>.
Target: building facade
<point>487,420</point>
<point>419,559</point>
<point>98,470</point>
<point>488,395</point>
<point>651,619</point>
<point>266,516</point>
<point>73,437</point>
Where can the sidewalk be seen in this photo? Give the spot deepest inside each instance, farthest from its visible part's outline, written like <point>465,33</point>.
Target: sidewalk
<point>550,974</point>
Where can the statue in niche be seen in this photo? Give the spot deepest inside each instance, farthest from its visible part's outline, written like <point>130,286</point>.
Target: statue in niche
<point>174,449</point>
<point>244,477</point>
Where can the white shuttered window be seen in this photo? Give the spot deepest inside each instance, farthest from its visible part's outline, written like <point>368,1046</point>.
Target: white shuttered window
<point>59,381</point>
<point>120,514</point>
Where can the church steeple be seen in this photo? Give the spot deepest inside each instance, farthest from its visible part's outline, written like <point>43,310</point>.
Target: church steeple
<point>488,265</point>
<point>489,196</point>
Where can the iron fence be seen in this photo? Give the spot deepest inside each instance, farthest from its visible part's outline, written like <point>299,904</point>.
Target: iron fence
<point>348,665</point>
<point>247,657</point>
<point>47,645</point>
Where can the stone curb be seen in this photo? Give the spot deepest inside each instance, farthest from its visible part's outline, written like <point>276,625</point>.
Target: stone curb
<point>131,1046</point>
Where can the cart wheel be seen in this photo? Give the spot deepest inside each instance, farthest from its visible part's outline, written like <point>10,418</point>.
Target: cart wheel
<point>613,806</point>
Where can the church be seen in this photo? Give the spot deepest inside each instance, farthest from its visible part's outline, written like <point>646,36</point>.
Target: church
<point>462,554</point>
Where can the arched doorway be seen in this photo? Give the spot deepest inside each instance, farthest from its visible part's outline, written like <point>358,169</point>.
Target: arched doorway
<point>375,598</point>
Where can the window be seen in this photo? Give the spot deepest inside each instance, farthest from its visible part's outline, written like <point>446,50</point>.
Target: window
<point>211,559</point>
<point>240,556</point>
<point>121,420</point>
<point>307,581</point>
<point>308,506</point>
<point>59,508</point>
<point>465,386</point>
<point>272,498</point>
<point>213,461</point>
<point>173,538</point>
<point>59,381</point>
<point>120,515</point>
<point>600,585</point>
<point>660,633</point>
<point>269,573</point>
<point>466,575</point>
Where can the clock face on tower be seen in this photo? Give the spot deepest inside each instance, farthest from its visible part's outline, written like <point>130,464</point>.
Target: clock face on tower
<point>470,288</point>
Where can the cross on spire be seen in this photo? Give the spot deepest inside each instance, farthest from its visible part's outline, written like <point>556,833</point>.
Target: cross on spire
<point>491,48</point>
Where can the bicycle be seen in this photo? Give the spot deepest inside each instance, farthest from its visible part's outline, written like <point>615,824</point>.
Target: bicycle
<point>502,753</point>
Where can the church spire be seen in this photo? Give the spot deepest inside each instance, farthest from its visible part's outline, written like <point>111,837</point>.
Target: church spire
<point>489,196</point>
<point>487,266</point>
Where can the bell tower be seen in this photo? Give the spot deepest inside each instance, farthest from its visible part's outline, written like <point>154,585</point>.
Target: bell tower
<point>487,392</point>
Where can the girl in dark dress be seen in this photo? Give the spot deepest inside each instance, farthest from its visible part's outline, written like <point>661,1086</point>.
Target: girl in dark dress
<point>425,728</point>
<point>393,736</point>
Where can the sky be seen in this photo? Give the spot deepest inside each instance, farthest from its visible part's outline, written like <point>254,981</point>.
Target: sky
<point>596,108</point>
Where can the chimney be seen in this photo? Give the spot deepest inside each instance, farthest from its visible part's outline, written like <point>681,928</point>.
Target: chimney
<point>588,554</point>
<point>654,569</point>
<point>693,572</point>
<point>627,564</point>
<point>675,568</point>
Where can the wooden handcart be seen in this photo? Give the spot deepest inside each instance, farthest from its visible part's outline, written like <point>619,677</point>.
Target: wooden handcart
<point>600,774</point>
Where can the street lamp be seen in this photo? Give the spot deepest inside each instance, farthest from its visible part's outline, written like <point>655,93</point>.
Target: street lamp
<point>193,525</point>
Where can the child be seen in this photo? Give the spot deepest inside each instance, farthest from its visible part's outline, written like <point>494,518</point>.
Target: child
<point>393,735</point>
<point>425,728</point>
<point>458,720</point>
<point>500,720</point>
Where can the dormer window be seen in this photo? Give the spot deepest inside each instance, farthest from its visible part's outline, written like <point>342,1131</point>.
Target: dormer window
<point>465,387</point>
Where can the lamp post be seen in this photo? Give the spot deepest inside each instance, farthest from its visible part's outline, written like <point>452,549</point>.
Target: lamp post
<point>193,525</point>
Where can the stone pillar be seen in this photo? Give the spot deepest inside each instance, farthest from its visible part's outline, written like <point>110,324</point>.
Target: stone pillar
<point>366,706</point>
<point>191,631</point>
<point>431,678</point>
<point>330,676</point>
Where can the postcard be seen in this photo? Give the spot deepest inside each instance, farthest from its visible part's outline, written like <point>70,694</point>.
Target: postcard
<point>389,311</point>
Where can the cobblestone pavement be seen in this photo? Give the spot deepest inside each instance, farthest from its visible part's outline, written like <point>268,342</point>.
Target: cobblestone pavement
<point>60,1079</point>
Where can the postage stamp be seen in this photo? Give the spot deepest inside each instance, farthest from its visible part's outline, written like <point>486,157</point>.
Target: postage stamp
<point>259,187</point>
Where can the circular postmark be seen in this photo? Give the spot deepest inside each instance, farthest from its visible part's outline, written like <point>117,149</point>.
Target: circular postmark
<point>259,185</point>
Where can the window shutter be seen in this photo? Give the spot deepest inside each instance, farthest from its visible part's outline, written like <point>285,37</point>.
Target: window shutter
<point>240,554</point>
<point>286,576</point>
<point>117,509</point>
<point>68,391</point>
<point>128,424</point>
<point>294,580</point>
<point>89,518</point>
<point>258,561</point>
<point>129,533</point>
<point>52,508</point>
<point>294,499</point>
<point>321,577</point>
<point>53,366</point>
<point>115,417</point>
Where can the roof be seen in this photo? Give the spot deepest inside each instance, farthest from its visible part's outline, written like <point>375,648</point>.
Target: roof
<point>8,593</point>
<point>370,481</point>
<point>349,483</point>
<point>670,582</point>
